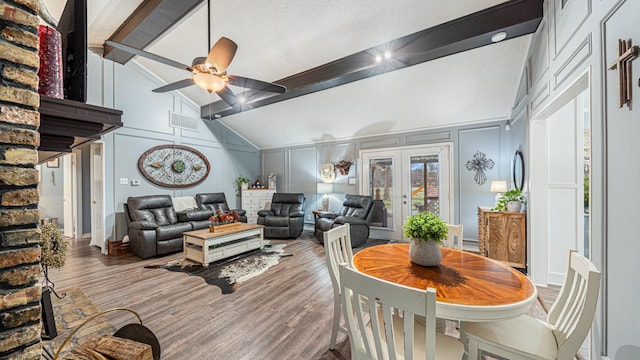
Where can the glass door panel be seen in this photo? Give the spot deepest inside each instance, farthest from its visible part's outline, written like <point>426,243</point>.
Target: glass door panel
<point>425,184</point>
<point>404,181</point>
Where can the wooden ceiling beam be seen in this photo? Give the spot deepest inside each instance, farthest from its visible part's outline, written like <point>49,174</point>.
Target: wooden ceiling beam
<point>150,20</point>
<point>516,18</point>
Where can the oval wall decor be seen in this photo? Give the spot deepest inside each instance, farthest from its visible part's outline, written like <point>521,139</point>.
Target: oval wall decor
<point>174,166</point>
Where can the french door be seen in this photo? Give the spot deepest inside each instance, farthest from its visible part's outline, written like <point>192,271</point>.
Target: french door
<point>405,181</point>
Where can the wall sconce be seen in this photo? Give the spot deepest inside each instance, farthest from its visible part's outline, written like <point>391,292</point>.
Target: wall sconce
<point>325,189</point>
<point>498,187</point>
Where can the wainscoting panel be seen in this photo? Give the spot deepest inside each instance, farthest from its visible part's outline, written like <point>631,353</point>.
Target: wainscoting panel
<point>573,63</point>
<point>569,17</point>
<point>539,60</point>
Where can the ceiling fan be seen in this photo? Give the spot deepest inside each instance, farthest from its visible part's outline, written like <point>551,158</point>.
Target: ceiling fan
<point>210,72</point>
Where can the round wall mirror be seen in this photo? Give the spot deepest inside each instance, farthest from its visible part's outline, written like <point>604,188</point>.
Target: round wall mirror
<point>518,170</point>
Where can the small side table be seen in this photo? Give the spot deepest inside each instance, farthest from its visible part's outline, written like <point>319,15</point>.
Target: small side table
<point>318,212</point>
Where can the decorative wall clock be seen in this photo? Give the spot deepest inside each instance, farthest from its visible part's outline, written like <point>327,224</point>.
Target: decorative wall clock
<point>174,166</point>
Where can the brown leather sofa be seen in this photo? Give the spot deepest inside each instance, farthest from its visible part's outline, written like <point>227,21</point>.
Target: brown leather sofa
<point>155,228</point>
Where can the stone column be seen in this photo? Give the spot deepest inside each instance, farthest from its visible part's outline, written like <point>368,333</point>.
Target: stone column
<point>20,290</point>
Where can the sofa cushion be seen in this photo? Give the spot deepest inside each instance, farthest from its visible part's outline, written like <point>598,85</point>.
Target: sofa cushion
<point>276,221</point>
<point>154,208</point>
<point>193,215</point>
<point>172,231</point>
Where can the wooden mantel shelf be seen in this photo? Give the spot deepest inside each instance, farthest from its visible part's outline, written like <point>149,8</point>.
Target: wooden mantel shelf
<point>66,124</point>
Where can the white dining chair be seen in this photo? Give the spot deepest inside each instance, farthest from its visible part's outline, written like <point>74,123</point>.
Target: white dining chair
<point>337,248</point>
<point>560,337</point>
<point>372,309</point>
<point>455,231</point>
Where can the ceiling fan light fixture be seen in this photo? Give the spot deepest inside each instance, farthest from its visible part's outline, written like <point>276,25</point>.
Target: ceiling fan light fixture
<point>208,82</point>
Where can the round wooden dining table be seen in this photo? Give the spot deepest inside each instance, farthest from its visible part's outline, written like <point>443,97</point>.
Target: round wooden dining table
<point>469,287</point>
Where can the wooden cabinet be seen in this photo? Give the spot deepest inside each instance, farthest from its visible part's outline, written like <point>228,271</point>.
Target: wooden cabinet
<point>254,200</point>
<point>502,236</point>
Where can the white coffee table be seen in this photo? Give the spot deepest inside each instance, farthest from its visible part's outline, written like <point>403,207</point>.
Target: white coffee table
<point>206,247</point>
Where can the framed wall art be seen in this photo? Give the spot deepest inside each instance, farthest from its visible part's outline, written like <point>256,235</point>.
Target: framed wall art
<point>174,166</point>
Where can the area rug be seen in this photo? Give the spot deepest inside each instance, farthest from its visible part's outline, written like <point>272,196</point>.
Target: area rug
<point>227,274</point>
<point>70,312</point>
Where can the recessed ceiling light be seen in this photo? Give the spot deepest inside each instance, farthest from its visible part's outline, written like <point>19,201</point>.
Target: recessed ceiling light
<point>217,116</point>
<point>242,99</point>
<point>378,58</point>
<point>497,37</point>
<point>387,55</point>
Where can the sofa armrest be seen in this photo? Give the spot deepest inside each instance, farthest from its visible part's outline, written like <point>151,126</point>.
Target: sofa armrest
<point>350,220</point>
<point>143,225</point>
<point>265,212</point>
<point>297,213</point>
<point>193,215</point>
<point>327,214</point>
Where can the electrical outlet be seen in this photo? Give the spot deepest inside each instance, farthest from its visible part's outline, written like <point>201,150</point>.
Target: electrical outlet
<point>124,181</point>
<point>135,182</point>
<point>352,181</point>
<point>308,217</point>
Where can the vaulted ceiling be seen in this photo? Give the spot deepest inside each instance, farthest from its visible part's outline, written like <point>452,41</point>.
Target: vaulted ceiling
<point>280,38</point>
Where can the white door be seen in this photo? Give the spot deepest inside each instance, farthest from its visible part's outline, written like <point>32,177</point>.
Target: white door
<point>97,196</point>
<point>69,195</point>
<point>405,181</point>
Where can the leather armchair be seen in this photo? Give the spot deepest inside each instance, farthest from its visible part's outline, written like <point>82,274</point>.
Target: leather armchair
<point>154,228</point>
<point>357,211</point>
<point>285,220</point>
<point>214,201</point>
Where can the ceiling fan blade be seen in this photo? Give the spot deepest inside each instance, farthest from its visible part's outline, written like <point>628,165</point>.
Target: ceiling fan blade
<point>221,54</point>
<point>248,83</point>
<point>175,85</point>
<point>148,55</point>
<point>228,96</point>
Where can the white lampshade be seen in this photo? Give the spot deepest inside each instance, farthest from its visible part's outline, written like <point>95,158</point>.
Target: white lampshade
<point>498,186</point>
<point>208,82</point>
<point>325,188</point>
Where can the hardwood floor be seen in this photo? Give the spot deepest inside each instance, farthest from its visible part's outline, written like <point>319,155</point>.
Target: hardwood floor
<point>285,313</point>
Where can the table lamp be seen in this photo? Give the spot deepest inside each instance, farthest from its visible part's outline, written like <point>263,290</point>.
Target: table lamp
<point>325,189</point>
<point>498,187</point>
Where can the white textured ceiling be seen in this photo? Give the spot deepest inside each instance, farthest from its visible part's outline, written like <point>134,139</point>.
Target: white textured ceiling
<point>279,38</point>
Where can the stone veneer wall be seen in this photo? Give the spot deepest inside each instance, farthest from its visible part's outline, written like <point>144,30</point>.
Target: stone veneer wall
<point>20,325</point>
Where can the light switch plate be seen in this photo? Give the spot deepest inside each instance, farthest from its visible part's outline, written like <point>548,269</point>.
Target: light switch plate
<point>124,181</point>
<point>135,182</point>
<point>352,181</point>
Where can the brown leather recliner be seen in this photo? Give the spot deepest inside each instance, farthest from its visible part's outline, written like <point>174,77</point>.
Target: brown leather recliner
<point>357,211</point>
<point>285,220</point>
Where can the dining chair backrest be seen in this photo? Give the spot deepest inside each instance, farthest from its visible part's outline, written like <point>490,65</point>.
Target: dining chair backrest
<point>370,308</point>
<point>337,249</point>
<point>455,231</point>
<point>571,315</point>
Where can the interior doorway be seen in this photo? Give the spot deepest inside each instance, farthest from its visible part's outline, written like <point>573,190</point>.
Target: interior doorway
<point>560,141</point>
<point>404,181</point>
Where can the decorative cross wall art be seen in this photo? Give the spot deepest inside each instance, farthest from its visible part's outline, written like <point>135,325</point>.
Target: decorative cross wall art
<point>626,54</point>
<point>479,163</point>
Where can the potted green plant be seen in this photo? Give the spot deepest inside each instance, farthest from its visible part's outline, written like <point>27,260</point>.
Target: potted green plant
<point>426,231</point>
<point>511,201</point>
<point>242,182</point>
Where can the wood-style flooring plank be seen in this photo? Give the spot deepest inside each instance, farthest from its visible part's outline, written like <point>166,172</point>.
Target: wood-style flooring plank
<point>285,313</point>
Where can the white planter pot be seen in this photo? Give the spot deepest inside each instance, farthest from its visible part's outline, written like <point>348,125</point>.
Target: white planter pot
<point>514,206</point>
<point>244,186</point>
<point>425,253</point>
